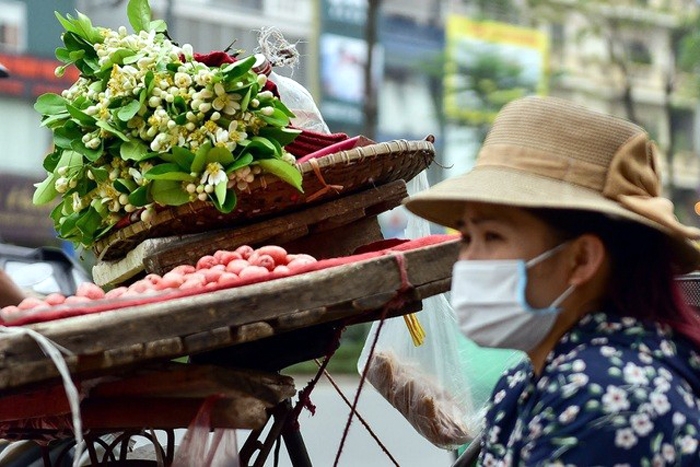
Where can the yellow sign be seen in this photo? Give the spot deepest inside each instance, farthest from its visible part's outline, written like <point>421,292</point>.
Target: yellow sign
<point>488,65</point>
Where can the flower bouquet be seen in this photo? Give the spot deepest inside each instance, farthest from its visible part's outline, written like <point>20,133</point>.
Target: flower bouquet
<point>150,124</point>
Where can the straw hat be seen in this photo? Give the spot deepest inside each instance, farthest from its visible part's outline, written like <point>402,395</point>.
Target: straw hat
<point>546,152</point>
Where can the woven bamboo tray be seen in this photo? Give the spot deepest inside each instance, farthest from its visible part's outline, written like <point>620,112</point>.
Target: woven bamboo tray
<point>323,179</point>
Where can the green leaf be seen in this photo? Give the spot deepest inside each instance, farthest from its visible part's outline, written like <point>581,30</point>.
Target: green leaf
<point>64,136</point>
<point>55,121</point>
<point>169,193</point>
<point>51,104</point>
<point>283,171</point>
<point>101,175</point>
<point>237,69</point>
<point>167,171</point>
<point>62,54</point>
<point>158,26</point>
<point>283,136</point>
<point>80,116</point>
<point>220,192</point>
<point>88,224</point>
<point>139,197</point>
<point>200,158</point>
<point>125,186</point>
<point>45,191</point>
<point>242,161</point>
<point>87,30</point>
<point>278,118</point>
<point>110,129</point>
<point>90,154</point>
<point>228,204</point>
<point>117,58</point>
<point>221,155</point>
<point>246,100</point>
<point>139,14</point>
<point>133,150</point>
<point>260,147</point>
<point>183,158</point>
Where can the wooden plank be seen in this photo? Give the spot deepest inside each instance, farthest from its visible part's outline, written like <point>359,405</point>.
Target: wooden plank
<point>279,230</point>
<point>126,330</point>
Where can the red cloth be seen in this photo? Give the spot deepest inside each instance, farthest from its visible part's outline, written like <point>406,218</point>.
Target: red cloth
<point>63,311</point>
<point>309,141</point>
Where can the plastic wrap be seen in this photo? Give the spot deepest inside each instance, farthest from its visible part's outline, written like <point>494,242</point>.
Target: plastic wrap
<point>442,386</point>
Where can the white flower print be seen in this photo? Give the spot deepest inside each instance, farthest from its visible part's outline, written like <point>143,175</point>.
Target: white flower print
<point>579,379</point>
<point>678,419</point>
<point>661,384</point>
<point>493,434</point>
<point>578,366</point>
<point>645,358</point>
<point>615,400</point>
<point>607,351</point>
<point>688,444</point>
<point>660,402</point>
<point>625,438</point>
<point>689,399</point>
<point>535,428</point>
<point>513,380</point>
<point>634,374</point>
<point>498,397</point>
<point>641,424</point>
<point>668,452</point>
<point>489,460</point>
<point>658,461</point>
<point>599,341</point>
<point>667,348</point>
<point>665,374</point>
<point>569,414</point>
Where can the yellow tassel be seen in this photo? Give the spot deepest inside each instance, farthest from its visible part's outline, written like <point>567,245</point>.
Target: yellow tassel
<point>415,329</point>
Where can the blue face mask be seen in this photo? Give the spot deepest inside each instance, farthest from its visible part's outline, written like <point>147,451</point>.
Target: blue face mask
<point>489,300</point>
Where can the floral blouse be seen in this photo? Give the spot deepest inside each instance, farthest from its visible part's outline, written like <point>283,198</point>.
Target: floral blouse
<point>613,392</point>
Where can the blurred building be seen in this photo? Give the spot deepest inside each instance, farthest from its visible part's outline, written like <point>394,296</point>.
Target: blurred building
<point>418,82</point>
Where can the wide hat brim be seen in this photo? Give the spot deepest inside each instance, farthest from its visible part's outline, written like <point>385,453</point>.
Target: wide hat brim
<point>445,202</point>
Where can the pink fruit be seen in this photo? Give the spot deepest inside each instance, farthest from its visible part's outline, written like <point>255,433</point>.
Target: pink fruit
<point>264,261</point>
<point>228,256</point>
<point>30,302</point>
<point>153,278</point>
<point>10,309</point>
<point>205,262</point>
<point>253,271</point>
<point>140,286</point>
<point>300,262</point>
<point>281,269</point>
<point>211,275</point>
<point>90,290</point>
<point>116,292</point>
<point>171,280</point>
<point>76,299</point>
<point>184,269</point>
<point>245,251</point>
<point>278,254</point>
<point>228,278</point>
<point>237,265</point>
<point>55,299</point>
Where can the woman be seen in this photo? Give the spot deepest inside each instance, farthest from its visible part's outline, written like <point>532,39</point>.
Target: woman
<point>569,254</point>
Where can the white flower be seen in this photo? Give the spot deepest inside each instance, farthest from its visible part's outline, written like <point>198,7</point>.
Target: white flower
<point>615,400</point>
<point>214,174</point>
<point>645,358</point>
<point>660,402</point>
<point>688,444</point>
<point>188,51</point>
<point>634,374</point>
<point>578,366</point>
<point>579,379</point>
<point>641,424</point>
<point>77,202</point>
<point>569,414</point>
<point>607,351</point>
<point>204,76</point>
<point>225,102</point>
<point>668,452</point>
<point>493,434</point>
<point>625,438</point>
<point>498,397</point>
<point>678,419</point>
<point>667,348</point>
<point>182,80</point>
<point>661,384</point>
<point>235,135</point>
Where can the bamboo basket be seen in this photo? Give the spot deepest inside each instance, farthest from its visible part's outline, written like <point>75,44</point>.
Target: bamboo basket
<point>325,178</point>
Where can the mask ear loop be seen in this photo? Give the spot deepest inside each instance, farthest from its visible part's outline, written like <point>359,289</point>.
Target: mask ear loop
<point>559,300</point>
<point>547,254</point>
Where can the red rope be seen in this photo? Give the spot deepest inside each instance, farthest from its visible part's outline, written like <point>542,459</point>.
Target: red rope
<point>396,303</point>
<point>359,417</point>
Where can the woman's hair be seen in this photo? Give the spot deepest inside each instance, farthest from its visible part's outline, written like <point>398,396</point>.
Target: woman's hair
<point>642,279</point>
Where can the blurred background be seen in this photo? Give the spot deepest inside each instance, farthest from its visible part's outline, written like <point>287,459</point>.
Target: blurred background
<point>390,69</point>
<point>395,69</point>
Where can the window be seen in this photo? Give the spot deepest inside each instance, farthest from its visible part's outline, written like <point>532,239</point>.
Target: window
<point>12,26</point>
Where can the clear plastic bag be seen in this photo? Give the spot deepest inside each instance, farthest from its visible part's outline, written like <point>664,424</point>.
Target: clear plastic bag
<point>204,448</point>
<point>442,386</point>
<point>301,103</point>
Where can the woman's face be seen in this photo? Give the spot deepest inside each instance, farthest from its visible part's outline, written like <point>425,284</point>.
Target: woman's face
<point>492,232</point>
